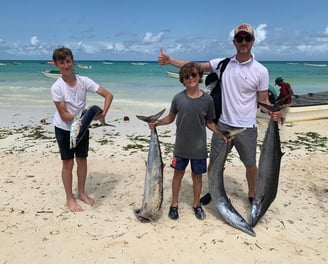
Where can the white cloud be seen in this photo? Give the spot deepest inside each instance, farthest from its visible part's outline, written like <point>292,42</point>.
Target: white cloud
<point>90,48</point>
<point>150,38</point>
<point>185,46</point>
<point>109,46</point>
<point>119,47</point>
<point>326,31</point>
<point>260,33</point>
<point>34,40</point>
<point>322,39</point>
<point>283,48</point>
<point>321,48</point>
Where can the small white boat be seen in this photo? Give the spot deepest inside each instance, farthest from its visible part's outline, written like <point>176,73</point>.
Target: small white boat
<point>173,74</point>
<point>107,62</point>
<point>310,106</point>
<point>52,73</point>
<point>139,63</point>
<point>84,66</point>
<point>315,65</point>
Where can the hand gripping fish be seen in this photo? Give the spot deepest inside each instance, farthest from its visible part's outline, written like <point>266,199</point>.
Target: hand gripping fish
<point>81,124</point>
<point>153,188</point>
<point>268,171</point>
<point>217,190</point>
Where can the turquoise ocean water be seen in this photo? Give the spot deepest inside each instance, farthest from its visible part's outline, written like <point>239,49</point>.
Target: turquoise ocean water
<point>137,88</point>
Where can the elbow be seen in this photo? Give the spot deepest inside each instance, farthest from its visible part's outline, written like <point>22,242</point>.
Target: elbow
<point>109,97</point>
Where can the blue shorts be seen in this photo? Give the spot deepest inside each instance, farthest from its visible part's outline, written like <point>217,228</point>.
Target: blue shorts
<point>198,166</point>
<point>63,140</point>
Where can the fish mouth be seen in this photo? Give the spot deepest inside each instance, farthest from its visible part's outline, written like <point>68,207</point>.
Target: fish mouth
<point>141,218</point>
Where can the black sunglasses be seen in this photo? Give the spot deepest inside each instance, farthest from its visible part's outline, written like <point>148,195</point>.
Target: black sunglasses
<point>240,39</point>
<point>193,75</point>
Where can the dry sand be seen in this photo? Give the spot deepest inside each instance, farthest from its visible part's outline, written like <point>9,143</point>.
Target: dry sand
<point>36,226</point>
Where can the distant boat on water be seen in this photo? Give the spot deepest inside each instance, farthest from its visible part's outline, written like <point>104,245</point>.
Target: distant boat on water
<point>84,66</point>
<point>139,63</point>
<point>173,74</point>
<point>48,62</point>
<point>107,62</point>
<point>52,73</point>
<point>315,65</point>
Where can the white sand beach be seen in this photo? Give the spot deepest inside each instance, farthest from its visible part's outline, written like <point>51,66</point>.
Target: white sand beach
<point>36,226</point>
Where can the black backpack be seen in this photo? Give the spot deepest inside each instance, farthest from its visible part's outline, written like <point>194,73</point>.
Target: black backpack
<point>216,91</point>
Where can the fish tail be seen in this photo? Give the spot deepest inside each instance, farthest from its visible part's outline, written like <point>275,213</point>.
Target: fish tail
<point>152,118</point>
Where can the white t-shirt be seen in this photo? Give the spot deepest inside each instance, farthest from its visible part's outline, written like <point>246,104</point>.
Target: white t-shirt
<point>240,84</point>
<point>74,97</point>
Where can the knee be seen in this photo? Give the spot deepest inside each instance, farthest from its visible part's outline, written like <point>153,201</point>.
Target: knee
<point>197,177</point>
<point>178,174</point>
<point>68,164</point>
<point>80,160</point>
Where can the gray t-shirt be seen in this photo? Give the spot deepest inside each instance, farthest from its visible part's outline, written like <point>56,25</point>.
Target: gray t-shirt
<point>192,113</point>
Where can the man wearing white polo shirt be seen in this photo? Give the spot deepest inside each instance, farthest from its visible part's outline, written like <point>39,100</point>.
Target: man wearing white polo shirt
<point>245,82</point>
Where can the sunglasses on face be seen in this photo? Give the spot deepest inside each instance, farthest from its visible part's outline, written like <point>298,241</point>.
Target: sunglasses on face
<point>240,39</point>
<point>193,75</point>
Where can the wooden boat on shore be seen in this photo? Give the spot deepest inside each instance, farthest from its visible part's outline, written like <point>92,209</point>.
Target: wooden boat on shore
<point>310,106</point>
<point>173,74</point>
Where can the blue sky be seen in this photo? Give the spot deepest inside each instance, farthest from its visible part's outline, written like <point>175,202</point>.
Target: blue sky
<point>136,29</point>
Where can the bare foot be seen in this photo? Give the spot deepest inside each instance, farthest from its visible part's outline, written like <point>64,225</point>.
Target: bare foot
<point>73,206</point>
<point>85,198</point>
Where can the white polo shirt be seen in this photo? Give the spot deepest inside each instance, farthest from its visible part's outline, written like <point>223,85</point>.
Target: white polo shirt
<point>240,84</point>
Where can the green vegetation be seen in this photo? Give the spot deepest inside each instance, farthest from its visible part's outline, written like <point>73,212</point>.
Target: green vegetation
<point>311,141</point>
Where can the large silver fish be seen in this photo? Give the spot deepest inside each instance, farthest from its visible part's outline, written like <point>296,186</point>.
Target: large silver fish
<point>268,173</point>
<point>75,130</point>
<point>81,124</point>
<point>153,188</point>
<point>218,193</point>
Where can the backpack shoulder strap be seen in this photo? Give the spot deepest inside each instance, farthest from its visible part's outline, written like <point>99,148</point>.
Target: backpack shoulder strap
<point>222,65</point>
